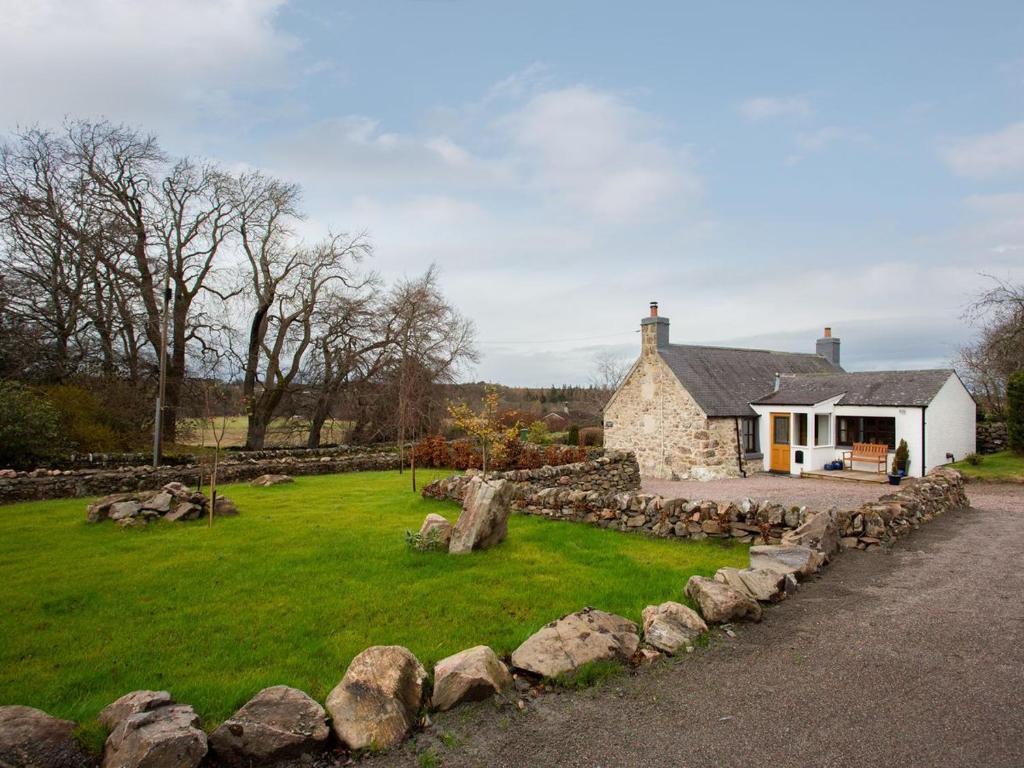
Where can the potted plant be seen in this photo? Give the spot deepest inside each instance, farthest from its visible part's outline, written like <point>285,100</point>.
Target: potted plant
<point>901,459</point>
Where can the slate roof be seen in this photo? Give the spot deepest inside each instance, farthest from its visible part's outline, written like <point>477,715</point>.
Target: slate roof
<point>901,388</point>
<point>725,380</point>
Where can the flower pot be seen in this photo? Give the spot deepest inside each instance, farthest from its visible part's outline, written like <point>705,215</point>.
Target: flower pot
<point>895,479</point>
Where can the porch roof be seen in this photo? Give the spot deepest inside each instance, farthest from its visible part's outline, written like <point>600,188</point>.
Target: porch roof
<point>878,388</point>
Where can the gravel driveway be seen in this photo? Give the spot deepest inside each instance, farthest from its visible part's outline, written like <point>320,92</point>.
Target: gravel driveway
<point>814,493</point>
<point>909,657</point>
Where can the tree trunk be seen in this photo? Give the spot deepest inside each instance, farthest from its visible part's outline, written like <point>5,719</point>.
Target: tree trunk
<point>256,432</point>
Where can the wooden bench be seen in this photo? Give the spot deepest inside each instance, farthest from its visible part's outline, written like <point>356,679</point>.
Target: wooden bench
<point>875,453</point>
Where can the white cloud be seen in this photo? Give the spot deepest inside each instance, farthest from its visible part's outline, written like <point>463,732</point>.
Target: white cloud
<point>771,107</point>
<point>143,62</point>
<point>988,155</point>
<point>597,152</point>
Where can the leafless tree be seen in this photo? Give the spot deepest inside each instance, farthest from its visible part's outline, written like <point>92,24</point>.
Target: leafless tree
<point>998,351</point>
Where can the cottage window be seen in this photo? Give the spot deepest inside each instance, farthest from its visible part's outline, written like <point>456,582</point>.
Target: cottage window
<point>822,433</point>
<point>749,435</point>
<point>865,429</point>
<point>801,428</point>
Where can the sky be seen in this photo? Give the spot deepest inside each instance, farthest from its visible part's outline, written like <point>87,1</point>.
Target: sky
<point>761,170</point>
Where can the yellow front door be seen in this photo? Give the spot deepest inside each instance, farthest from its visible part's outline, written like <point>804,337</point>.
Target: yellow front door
<point>780,442</point>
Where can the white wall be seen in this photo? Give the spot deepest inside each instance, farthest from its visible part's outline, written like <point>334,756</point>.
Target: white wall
<point>950,423</point>
<point>908,427</point>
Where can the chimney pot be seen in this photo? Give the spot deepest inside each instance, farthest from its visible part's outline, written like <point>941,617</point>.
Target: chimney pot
<point>654,309</point>
<point>828,332</point>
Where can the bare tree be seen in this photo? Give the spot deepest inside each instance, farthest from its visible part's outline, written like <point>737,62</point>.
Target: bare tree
<point>432,342</point>
<point>998,352</point>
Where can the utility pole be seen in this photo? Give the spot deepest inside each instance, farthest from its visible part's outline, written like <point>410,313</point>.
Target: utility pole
<point>158,422</point>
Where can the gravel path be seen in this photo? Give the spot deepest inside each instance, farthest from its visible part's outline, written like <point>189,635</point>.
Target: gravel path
<point>815,494</point>
<point>911,657</point>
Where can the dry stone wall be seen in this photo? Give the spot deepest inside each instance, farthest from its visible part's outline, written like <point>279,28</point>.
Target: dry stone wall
<point>57,484</point>
<point>991,436</point>
<point>612,473</point>
<point>748,520</point>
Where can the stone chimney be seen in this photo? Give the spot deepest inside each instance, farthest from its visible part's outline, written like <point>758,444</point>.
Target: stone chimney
<point>828,347</point>
<point>653,332</point>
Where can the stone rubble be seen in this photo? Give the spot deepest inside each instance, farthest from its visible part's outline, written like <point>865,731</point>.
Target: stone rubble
<point>174,502</point>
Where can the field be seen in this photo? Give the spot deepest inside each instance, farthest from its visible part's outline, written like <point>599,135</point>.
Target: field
<point>1003,466</point>
<point>289,591</point>
<point>282,433</point>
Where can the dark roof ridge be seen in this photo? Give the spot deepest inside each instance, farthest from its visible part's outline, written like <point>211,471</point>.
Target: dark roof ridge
<point>745,349</point>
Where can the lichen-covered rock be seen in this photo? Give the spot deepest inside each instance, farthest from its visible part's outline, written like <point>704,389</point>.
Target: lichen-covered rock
<point>100,510</point>
<point>565,645</point>
<point>264,481</point>
<point>436,530</point>
<point>376,702</point>
<point>131,704</point>
<point>123,509</point>
<point>762,585</point>
<point>469,675</point>
<point>30,738</point>
<point>671,626</point>
<point>818,532</point>
<point>484,519</point>
<point>159,502</point>
<point>786,558</point>
<point>719,602</point>
<point>166,737</point>
<point>278,723</point>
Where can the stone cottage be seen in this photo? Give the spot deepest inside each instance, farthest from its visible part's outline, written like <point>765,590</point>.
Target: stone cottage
<point>704,412</point>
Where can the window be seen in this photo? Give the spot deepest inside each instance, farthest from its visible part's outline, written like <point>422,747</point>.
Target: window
<point>865,429</point>
<point>822,433</point>
<point>801,428</point>
<point>749,435</point>
<point>780,430</point>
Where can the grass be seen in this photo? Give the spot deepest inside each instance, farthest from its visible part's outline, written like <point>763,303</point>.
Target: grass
<point>306,577</point>
<point>1004,466</point>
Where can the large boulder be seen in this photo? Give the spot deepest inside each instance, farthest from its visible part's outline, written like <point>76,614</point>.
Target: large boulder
<point>719,602</point>
<point>376,702</point>
<point>819,532</point>
<point>436,532</point>
<point>484,519</point>
<point>122,509</point>
<point>786,558</point>
<point>166,737</point>
<point>469,675</point>
<point>30,738</point>
<point>278,723</point>
<point>159,502</point>
<point>765,586</point>
<point>671,627</point>
<point>565,645</point>
<point>264,481</point>
<point>131,704</point>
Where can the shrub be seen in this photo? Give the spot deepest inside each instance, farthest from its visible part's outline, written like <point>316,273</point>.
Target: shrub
<point>592,436</point>
<point>431,541</point>
<point>573,436</point>
<point>902,456</point>
<point>539,434</point>
<point>1015,412</point>
<point>30,428</point>
<point>432,451</point>
<point>87,426</point>
<point>974,459</point>
<point>514,418</point>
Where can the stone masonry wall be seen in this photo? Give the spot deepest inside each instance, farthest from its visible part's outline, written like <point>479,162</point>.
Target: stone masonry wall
<point>653,416</point>
<point>615,472</point>
<point>991,436</point>
<point>56,484</point>
<point>868,526</point>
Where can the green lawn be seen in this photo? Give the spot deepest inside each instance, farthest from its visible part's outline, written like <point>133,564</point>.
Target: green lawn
<point>1003,466</point>
<point>288,592</point>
